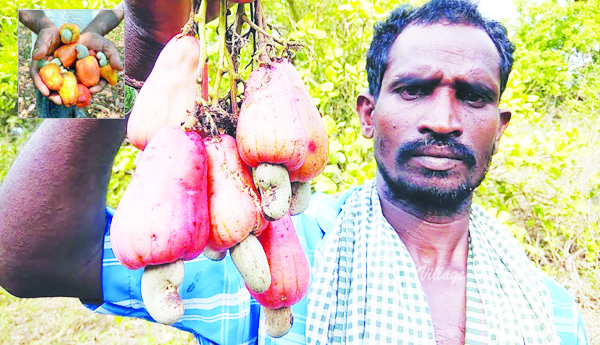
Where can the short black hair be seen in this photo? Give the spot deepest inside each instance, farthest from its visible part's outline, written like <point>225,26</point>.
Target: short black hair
<point>435,11</point>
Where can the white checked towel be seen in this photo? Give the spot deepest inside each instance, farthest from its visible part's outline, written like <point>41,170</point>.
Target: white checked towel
<point>367,289</point>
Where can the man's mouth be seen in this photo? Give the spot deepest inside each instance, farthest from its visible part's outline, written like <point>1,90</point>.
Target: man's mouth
<point>436,151</point>
<point>439,158</point>
<point>437,163</point>
<point>436,154</point>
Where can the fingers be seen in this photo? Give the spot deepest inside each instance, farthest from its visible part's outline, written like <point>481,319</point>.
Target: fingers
<point>101,44</point>
<point>55,97</point>
<point>39,84</point>
<point>47,41</point>
<point>37,81</point>
<point>113,55</point>
<point>40,47</point>
<point>98,87</point>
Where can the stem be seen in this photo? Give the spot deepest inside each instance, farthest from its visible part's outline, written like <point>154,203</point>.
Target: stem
<point>201,20</point>
<point>222,48</point>
<point>259,22</point>
<point>259,29</point>
<point>239,18</point>
<point>205,84</point>
<point>233,77</point>
<point>294,10</point>
<point>188,26</point>
<point>189,123</point>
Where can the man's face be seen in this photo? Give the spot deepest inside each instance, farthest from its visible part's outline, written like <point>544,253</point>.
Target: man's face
<point>436,122</point>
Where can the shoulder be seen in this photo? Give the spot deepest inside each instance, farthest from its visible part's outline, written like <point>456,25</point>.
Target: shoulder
<point>317,219</point>
<point>567,317</point>
<point>325,208</point>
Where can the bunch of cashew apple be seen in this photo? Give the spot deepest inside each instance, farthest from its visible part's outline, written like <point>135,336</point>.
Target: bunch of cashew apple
<point>195,193</point>
<point>74,68</point>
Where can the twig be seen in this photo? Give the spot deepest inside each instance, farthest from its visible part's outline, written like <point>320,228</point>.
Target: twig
<point>239,21</point>
<point>233,77</point>
<point>222,48</point>
<point>188,26</point>
<point>201,20</point>
<point>260,30</point>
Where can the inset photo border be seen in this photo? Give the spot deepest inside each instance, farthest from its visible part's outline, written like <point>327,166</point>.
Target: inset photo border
<point>104,101</point>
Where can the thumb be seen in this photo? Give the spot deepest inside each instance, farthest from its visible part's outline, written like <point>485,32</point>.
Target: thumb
<point>113,57</point>
<point>40,50</point>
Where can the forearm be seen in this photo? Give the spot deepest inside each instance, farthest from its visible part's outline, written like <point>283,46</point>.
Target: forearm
<point>104,22</point>
<point>52,204</point>
<point>35,20</point>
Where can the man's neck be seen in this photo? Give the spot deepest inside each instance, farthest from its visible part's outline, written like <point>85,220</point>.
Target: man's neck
<point>433,242</point>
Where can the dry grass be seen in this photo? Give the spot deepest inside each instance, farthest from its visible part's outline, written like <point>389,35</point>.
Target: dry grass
<point>107,104</point>
<point>591,318</point>
<point>67,321</point>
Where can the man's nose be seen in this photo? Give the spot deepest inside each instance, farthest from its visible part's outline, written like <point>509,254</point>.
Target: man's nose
<point>442,117</point>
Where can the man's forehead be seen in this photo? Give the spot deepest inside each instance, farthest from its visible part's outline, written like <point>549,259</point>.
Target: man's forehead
<point>460,48</point>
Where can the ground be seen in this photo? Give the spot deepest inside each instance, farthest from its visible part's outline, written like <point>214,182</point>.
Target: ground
<point>66,321</point>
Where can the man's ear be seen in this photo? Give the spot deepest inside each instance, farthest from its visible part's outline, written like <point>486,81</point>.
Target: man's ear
<point>505,116</point>
<point>365,104</point>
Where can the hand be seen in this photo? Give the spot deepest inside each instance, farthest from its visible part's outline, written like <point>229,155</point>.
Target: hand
<point>98,43</point>
<point>48,40</point>
<point>159,21</point>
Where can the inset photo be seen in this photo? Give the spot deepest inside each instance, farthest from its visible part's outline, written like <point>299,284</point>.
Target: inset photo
<point>71,64</point>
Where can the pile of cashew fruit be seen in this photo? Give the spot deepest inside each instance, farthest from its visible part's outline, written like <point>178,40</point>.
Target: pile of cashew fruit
<point>74,68</point>
<point>198,190</point>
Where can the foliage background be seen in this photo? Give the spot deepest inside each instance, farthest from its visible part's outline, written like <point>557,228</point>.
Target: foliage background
<point>544,184</point>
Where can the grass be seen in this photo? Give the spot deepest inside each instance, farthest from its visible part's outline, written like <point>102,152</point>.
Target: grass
<point>67,321</point>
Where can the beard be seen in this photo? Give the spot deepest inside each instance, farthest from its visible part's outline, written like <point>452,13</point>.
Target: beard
<point>434,200</point>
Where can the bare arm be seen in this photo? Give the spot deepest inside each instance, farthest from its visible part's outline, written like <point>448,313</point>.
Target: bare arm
<point>104,22</point>
<point>48,37</point>
<point>52,209</point>
<point>35,20</point>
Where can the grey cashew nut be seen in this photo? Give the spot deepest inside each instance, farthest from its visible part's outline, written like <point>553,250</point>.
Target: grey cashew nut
<point>300,197</point>
<point>273,181</point>
<point>251,261</point>
<point>160,291</point>
<point>278,321</point>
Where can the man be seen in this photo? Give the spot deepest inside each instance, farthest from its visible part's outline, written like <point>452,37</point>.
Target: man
<point>406,258</point>
<point>44,26</point>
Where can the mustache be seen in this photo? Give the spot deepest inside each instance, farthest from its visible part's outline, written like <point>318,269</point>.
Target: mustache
<point>416,147</point>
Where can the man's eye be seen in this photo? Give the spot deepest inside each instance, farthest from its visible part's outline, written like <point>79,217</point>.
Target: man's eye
<point>474,99</point>
<point>412,92</point>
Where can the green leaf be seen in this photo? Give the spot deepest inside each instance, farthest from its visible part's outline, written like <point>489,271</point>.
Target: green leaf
<point>318,34</point>
<point>325,184</point>
<point>329,124</point>
<point>327,86</point>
